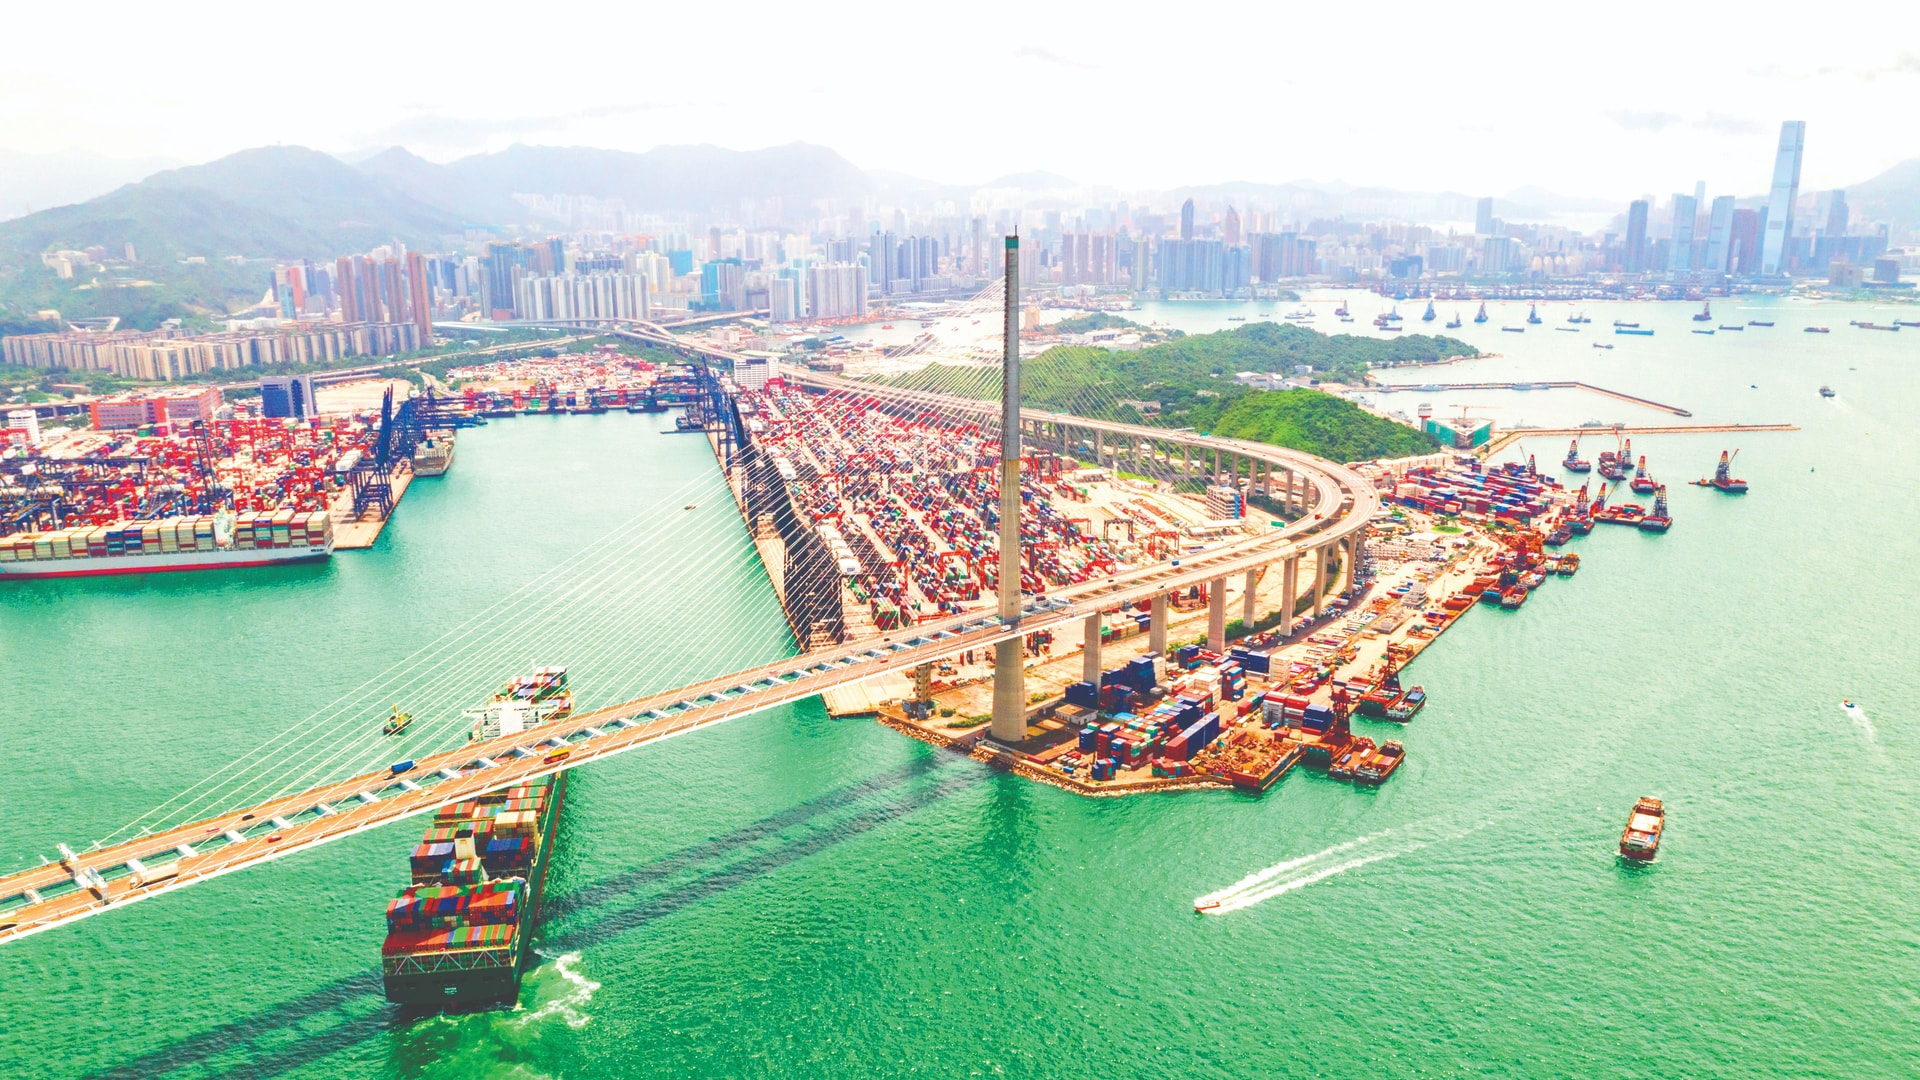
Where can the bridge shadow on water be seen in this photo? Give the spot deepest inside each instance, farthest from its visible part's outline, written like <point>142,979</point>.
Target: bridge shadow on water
<point>306,1029</point>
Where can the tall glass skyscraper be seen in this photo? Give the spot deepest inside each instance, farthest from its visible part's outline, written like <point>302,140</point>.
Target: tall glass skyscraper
<point>1786,189</point>
<point>1680,255</point>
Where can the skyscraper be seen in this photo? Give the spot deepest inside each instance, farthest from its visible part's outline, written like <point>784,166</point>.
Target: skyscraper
<point>421,295</point>
<point>1786,189</point>
<point>1186,220</point>
<point>1719,233</point>
<point>1743,242</point>
<point>1483,217</point>
<point>1230,227</point>
<point>1680,256</point>
<point>1836,213</point>
<point>1636,253</point>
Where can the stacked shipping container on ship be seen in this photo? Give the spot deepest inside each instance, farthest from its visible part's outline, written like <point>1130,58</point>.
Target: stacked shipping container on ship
<point>458,934</point>
<point>1509,492</point>
<point>205,542</point>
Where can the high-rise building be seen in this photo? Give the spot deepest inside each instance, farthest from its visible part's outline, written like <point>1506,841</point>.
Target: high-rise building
<point>1230,227</point>
<point>283,396</point>
<point>422,296</point>
<point>1636,253</point>
<point>1483,217</point>
<point>837,290</point>
<point>1719,233</point>
<point>1743,242</point>
<point>1836,213</point>
<point>1680,254</point>
<point>1786,189</point>
<point>1186,220</point>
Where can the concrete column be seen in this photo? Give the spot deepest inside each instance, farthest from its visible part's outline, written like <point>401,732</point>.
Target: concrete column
<point>1290,585</point>
<point>1099,447</point>
<point>1009,674</point>
<point>1090,654</point>
<point>1320,561</point>
<point>1247,599</point>
<point>1289,483</point>
<point>923,683</point>
<point>1157,623</point>
<point>1186,462</point>
<point>1217,615</point>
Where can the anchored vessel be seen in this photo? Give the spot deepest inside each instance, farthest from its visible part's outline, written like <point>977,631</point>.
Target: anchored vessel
<point>523,701</point>
<point>1640,840</point>
<point>203,542</point>
<point>434,455</point>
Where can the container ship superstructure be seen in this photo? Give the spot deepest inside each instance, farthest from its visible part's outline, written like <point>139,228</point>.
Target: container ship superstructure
<point>457,935</point>
<point>217,541</point>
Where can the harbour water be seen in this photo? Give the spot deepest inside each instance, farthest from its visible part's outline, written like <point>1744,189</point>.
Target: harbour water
<point>794,896</point>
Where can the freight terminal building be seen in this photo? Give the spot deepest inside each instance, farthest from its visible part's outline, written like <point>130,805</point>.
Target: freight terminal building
<point>134,410</point>
<point>170,354</point>
<point>1461,433</point>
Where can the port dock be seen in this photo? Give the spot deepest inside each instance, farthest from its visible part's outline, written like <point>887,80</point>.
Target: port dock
<point>1555,384</point>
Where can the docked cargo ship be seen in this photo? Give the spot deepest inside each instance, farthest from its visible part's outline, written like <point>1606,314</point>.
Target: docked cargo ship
<point>458,934</point>
<point>216,541</point>
<point>434,455</point>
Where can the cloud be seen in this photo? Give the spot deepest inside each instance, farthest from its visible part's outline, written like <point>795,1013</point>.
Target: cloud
<point>442,129</point>
<point>1045,56</point>
<point>1655,122</point>
<point>1711,124</point>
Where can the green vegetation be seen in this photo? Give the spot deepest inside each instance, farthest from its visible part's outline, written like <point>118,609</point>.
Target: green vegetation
<point>1321,424</point>
<point>1191,381</point>
<point>1096,320</point>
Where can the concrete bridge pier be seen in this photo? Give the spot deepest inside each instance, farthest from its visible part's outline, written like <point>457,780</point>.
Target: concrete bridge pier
<point>1290,588</point>
<point>1247,599</point>
<point>1090,651</point>
<point>1217,615</point>
<point>1321,556</point>
<point>1157,624</point>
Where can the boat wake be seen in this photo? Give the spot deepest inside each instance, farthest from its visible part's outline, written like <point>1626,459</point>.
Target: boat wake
<point>1298,873</point>
<point>1859,716</point>
<point>571,993</point>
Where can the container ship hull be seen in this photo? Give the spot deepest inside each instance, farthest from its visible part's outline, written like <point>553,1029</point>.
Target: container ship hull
<point>439,978</point>
<point>159,564</point>
<point>214,542</point>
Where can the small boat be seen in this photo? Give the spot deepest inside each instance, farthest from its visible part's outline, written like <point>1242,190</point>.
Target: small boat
<point>1635,333</point>
<point>1847,704</point>
<point>1757,322</point>
<point>1817,330</point>
<point>1629,325</point>
<point>397,722</point>
<point>1826,391</point>
<point>1705,314</point>
<point>1568,329</point>
<point>1707,332</point>
<point>1236,318</point>
<point>1203,906</point>
<point>1602,345</point>
<point>1640,840</point>
<point>1514,329</point>
<point>689,506</point>
<point>1904,322</point>
<point>1735,326</point>
<point>886,326</point>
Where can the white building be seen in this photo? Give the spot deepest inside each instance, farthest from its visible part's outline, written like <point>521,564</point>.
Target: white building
<point>837,290</point>
<point>583,296</point>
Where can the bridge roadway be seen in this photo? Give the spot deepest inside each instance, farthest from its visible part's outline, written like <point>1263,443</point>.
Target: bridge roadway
<point>48,896</point>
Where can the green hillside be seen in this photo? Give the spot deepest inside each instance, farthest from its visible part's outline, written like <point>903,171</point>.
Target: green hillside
<point>1321,424</point>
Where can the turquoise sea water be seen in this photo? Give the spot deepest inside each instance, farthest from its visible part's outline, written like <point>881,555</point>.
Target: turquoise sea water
<point>787,895</point>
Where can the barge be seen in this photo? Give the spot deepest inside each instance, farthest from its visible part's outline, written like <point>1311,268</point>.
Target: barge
<point>1640,840</point>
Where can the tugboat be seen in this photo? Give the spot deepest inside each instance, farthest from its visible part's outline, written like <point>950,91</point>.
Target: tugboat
<point>1481,315</point>
<point>397,722</point>
<point>1640,840</point>
<point>1574,462</point>
<point>1723,478</point>
<point>1705,314</point>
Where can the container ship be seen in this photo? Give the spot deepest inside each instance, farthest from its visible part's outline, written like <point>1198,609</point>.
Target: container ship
<point>522,702</point>
<point>458,934</point>
<point>216,541</point>
<point>434,455</point>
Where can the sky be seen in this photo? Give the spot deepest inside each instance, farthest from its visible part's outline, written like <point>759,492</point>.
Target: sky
<point>1476,98</point>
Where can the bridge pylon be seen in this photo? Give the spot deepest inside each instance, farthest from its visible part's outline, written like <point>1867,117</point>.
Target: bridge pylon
<point>1009,676</point>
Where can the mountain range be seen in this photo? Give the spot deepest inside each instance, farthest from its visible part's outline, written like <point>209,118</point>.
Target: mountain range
<point>292,202</point>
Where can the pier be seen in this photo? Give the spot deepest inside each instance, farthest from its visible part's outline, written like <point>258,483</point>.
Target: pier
<point>1509,437</point>
<point>1554,384</point>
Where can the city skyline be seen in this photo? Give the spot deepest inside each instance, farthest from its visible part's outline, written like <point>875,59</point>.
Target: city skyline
<point>1702,112</point>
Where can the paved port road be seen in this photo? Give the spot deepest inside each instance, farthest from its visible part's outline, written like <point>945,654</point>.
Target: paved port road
<point>1344,503</point>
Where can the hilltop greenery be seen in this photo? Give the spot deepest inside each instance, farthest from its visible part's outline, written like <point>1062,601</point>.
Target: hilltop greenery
<point>1091,321</point>
<point>1331,427</point>
<point>1190,380</point>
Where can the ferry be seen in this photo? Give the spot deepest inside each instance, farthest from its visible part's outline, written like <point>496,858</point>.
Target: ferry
<point>1705,314</point>
<point>1481,315</point>
<point>1640,840</point>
